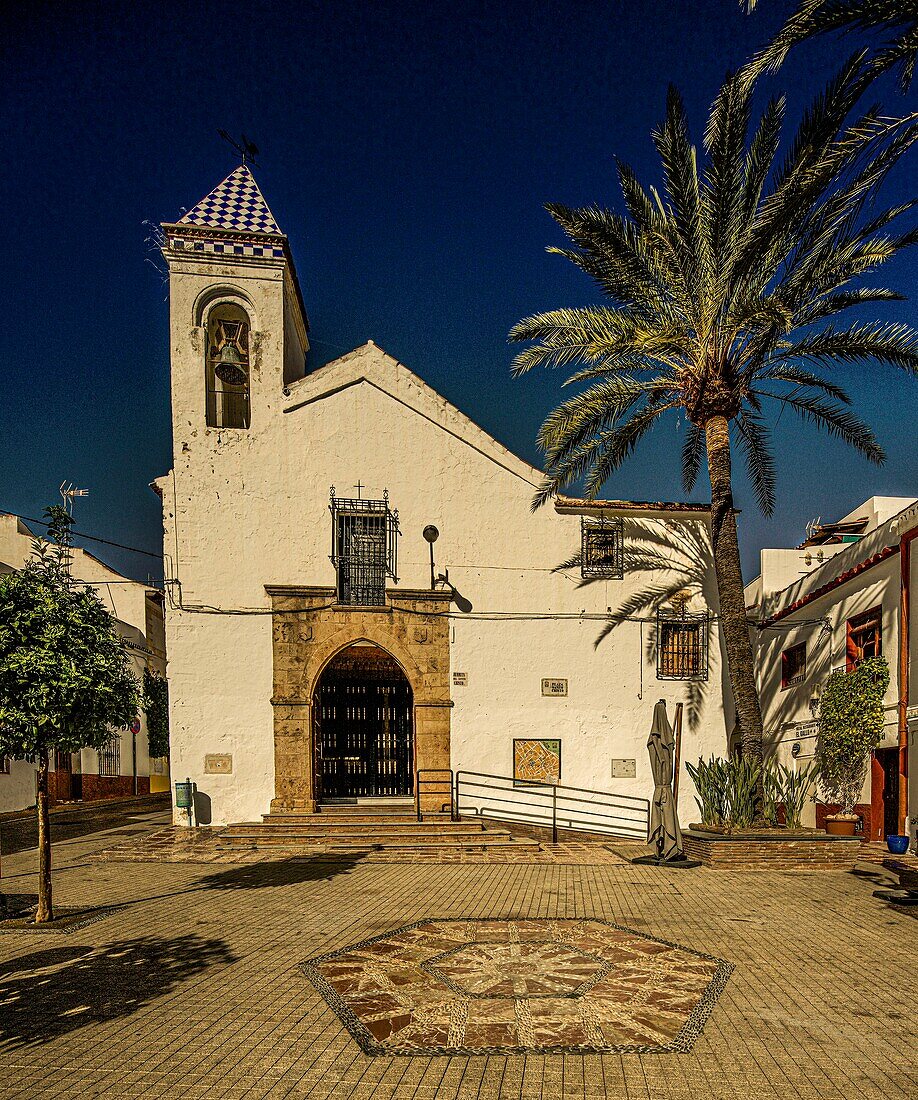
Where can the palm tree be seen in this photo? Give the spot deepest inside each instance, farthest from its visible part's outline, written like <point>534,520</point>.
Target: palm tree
<point>676,563</point>
<point>719,288</point>
<point>896,18</point>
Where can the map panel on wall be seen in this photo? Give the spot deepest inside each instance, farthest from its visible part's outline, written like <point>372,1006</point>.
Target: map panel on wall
<point>536,761</point>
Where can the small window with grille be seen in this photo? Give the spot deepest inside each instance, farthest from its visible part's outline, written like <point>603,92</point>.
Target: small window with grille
<point>110,757</point>
<point>682,645</point>
<point>364,548</point>
<point>601,548</point>
<point>793,665</point>
<point>864,637</point>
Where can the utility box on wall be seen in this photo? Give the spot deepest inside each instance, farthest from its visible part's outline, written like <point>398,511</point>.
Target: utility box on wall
<point>623,768</point>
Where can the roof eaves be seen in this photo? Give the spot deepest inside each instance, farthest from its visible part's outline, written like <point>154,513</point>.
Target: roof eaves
<point>575,505</point>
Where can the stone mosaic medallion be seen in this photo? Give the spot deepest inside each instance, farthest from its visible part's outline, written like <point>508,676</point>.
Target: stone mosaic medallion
<point>519,986</point>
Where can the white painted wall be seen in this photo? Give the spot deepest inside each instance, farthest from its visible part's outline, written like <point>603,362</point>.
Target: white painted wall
<point>245,509</point>
<point>822,624</point>
<point>127,601</point>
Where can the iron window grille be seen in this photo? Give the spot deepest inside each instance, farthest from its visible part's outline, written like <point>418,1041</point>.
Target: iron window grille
<point>682,645</point>
<point>864,637</point>
<point>602,548</point>
<point>364,548</point>
<point>110,757</point>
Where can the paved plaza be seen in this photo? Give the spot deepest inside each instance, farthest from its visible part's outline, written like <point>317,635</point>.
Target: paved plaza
<point>203,982</point>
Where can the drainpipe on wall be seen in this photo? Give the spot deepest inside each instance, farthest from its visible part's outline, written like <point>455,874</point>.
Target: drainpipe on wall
<point>905,558</point>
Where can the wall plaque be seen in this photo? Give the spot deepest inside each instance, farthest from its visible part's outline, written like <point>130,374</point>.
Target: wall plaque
<point>460,679</point>
<point>623,768</point>
<point>218,763</point>
<point>554,687</point>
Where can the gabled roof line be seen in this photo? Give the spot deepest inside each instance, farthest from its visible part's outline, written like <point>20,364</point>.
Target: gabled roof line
<point>533,476</point>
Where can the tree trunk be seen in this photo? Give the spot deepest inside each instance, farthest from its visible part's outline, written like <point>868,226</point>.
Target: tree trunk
<point>45,911</point>
<point>729,574</point>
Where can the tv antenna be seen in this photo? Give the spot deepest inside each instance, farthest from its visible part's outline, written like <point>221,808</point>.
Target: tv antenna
<point>68,493</point>
<point>246,149</point>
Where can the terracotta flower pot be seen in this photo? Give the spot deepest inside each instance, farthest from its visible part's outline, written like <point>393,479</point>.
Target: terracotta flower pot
<point>840,826</point>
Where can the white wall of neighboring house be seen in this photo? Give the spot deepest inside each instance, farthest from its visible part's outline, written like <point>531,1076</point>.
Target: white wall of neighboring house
<point>857,577</point>
<point>248,508</point>
<point>138,613</point>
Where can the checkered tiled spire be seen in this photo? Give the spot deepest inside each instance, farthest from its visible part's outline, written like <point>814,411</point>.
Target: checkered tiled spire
<point>236,204</point>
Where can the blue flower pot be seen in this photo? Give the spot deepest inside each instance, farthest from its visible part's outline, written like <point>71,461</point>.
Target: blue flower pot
<point>898,845</point>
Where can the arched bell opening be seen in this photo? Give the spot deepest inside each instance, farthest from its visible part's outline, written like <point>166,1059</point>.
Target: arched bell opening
<point>363,726</point>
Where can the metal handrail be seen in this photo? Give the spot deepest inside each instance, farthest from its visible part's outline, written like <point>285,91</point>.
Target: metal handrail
<point>616,814</point>
<point>446,776</point>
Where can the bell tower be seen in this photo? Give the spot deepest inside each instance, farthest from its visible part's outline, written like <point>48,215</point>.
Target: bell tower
<point>238,329</point>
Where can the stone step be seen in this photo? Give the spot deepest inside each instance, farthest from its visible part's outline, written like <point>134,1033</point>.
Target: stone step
<point>366,843</point>
<point>271,838</point>
<point>325,828</point>
<point>338,820</point>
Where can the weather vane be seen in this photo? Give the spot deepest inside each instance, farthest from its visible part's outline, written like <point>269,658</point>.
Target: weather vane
<point>246,149</point>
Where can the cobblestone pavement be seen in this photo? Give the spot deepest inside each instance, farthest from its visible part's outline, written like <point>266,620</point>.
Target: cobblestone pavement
<point>20,830</point>
<point>194,989</point>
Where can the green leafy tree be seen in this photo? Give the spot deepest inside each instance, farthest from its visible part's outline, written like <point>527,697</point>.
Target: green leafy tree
<point>850,726</point>
<point>156,708</point>
<point>897,20</point>
<point>723,292</point>
<point>65,677</point>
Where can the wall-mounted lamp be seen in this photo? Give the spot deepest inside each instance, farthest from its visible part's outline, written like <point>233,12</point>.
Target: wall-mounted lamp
<point>431,534</point>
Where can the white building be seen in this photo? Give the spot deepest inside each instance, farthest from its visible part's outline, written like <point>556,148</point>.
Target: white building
<point>313,653</point>
<point>125,767</point>
<point>846,592</point>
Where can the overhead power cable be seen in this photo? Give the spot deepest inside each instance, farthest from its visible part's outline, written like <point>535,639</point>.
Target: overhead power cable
<point>93,538</point>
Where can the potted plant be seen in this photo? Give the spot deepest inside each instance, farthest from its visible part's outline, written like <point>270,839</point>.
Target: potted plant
<point>850,726</point>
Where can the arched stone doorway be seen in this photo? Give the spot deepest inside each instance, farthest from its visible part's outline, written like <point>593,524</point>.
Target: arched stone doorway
<point>363,727</point>
<point>309,632</point>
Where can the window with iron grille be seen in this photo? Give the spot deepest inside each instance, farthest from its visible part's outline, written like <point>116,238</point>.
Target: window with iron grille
<point>364,548</point>
<point>682,645</point>
<point>793,665</point>
<point>601,548</point>
<point>110,757</point>
<point>864,637</point>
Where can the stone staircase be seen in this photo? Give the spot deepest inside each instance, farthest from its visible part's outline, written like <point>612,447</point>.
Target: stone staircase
<point>367,826</point>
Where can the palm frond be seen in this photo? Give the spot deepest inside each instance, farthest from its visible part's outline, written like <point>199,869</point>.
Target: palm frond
<point>754,442</point>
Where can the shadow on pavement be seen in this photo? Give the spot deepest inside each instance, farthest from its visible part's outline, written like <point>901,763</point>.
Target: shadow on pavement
<point>52,992</point>
<point>288,872</point>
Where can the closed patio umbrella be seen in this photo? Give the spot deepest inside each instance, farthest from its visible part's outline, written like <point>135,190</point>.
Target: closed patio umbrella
<point>664,832</point>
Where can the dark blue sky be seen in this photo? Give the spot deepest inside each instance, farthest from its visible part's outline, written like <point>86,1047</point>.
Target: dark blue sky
<point>407,151</point>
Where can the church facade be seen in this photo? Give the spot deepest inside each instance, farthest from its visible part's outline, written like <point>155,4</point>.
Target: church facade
<point>357,588</point>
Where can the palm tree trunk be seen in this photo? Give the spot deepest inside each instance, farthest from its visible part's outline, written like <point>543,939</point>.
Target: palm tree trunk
<point>729,573</point>
<point>45,912</point>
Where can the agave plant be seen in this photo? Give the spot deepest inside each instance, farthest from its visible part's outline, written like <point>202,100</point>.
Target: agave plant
<point>791,788</point>
<point>723,290</point>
